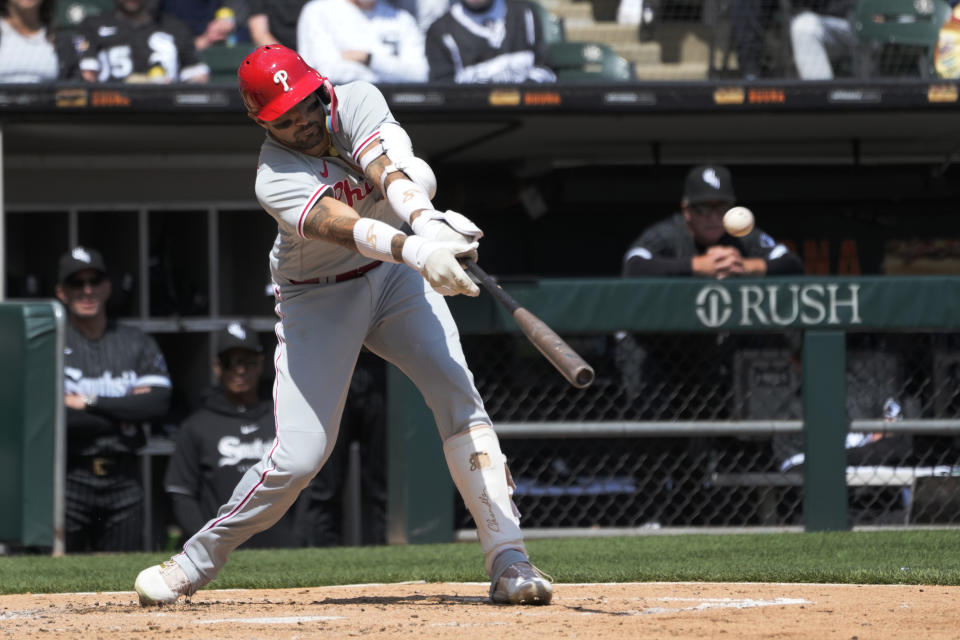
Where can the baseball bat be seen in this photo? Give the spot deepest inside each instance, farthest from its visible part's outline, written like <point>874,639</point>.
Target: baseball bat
<point>567,361</point>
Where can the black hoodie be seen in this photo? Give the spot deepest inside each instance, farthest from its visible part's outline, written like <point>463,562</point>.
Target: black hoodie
<point>215,446</point>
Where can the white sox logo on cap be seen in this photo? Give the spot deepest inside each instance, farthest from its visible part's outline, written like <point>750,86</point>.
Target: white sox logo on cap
<point>82,255</point>
<point>237,331</point>
<point>280,77</point>
<point>710,177</point>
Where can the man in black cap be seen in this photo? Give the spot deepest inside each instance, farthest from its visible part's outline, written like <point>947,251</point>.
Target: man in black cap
<point>225,436</point>
<point>115,377</point>
<point>694,242</point>
<point>234,427</point>
<point>658,369</point>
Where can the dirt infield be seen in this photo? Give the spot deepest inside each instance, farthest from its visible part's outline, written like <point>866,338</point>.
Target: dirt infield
<point>462,611</point>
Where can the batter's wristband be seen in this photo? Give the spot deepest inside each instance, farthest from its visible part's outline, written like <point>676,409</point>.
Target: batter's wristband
<point>407,197</point>
<point>374,238</point>
<point>411,252</point>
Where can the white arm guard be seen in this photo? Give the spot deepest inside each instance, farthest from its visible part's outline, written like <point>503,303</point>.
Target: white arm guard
<point>406,198</point>
<point>373,239</point>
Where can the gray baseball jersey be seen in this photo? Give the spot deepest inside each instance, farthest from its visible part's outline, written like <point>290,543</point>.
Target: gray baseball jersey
<point>390,309</point>
<point>290,183</point>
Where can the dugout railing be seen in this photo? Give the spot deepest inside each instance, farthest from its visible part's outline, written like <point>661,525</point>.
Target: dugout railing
<point>856,374</point>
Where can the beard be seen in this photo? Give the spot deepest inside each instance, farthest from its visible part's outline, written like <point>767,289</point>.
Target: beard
<point>309,139</point>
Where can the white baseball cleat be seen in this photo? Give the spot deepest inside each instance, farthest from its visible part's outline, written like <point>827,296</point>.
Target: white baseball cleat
<point>522,583</point>
<point>162,584</point>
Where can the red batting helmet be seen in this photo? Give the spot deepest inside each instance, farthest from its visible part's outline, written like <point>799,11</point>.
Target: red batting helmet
<point>274,78</point>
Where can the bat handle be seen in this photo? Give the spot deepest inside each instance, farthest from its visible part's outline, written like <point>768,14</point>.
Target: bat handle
<point>490,284</point>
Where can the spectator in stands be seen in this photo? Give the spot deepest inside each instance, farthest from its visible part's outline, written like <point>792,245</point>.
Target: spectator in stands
<point>223,438</point>
<point>488,41</point>
<point>211,21</point>
<point>425,11</point>
<point>749,20</point>
<point>693,241</point>
<point>822,32</point>
<point>115,377</point>
<point>30,49</point>
<point>273,21</point>
<point>135,44</point>
<point>368,40</point>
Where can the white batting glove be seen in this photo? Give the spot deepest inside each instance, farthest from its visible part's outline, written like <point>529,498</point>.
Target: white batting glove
<point>448,226</point>
<point>436,260</point>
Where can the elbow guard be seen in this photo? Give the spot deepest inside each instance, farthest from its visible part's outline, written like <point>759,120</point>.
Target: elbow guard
<point>396,145</point>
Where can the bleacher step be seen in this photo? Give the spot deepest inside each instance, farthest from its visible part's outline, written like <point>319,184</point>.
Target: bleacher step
<point>609,32</point>
<point>576,12</point>
<point>671,71</point>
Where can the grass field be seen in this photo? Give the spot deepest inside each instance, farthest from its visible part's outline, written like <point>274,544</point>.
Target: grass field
<point>890,557</point>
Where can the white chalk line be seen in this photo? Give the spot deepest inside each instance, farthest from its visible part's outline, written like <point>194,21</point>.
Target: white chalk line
<point>271,620</point>
<point>487,584</point>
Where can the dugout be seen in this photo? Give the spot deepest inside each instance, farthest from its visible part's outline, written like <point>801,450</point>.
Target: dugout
<point>560,178</point>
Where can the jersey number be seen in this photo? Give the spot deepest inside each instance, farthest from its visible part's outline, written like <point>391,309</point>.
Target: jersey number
<point>115,62</point>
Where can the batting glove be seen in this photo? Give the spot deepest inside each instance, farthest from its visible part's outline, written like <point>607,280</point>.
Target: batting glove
<point>436,260</point>
<point>448,226</point>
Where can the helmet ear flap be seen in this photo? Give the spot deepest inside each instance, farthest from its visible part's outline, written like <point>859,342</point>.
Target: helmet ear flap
<point>330,97</point>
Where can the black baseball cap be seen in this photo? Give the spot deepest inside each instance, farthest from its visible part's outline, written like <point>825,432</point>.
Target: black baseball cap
<point>78,259</point>
<point>238,336</point>
<point>707,183</point>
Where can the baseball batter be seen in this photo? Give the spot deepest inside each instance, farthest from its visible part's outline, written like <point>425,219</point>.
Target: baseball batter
<point>339,176</point>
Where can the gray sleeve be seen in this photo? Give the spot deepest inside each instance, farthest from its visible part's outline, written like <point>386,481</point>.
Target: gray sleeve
<point>288,191</point>
<point>361,109</point>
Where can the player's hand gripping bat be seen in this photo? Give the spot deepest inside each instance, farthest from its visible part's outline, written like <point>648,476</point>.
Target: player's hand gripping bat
<point>567,361</point>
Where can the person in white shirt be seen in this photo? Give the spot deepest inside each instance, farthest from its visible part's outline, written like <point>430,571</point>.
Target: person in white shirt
<point>367,40</point>
<point>30,51</point>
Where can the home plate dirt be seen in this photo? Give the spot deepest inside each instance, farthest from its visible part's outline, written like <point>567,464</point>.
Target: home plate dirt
<point>462,611</point>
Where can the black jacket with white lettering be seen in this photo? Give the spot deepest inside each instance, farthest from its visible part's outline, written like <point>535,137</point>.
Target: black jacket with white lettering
<point>110,368</point>
<point>214,448</point>
<point>667,248</point>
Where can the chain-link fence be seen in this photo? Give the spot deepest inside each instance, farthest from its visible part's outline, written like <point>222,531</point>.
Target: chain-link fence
<point>703,429</point>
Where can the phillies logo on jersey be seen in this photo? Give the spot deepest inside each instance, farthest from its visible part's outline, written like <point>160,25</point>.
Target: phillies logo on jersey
<point>280,77</point>
<point>343,192</point>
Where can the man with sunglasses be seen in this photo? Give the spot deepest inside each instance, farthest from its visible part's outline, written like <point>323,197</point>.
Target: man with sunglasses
<point>115,378</point>
<point>339,175</point>
<point>694,242</point>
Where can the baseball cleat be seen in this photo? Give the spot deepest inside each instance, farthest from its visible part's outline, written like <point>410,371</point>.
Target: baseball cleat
<point>162,584</point>
<point>523,583</point>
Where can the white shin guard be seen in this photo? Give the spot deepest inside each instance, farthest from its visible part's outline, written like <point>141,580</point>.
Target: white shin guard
<point>478,468</point>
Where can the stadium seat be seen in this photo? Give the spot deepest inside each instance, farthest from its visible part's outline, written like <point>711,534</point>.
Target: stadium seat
<point>224,60</point>
<point>903,24</point>
<point>553,29</point>
<point>69,13</point>
<point>588,62</point>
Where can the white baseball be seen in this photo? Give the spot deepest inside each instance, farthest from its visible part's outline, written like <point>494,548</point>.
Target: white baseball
<point>738,221</point>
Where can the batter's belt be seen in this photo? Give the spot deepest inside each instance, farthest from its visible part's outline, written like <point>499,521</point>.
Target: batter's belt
<point>341,277</point>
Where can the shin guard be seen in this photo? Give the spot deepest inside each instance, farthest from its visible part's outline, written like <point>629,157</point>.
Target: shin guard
<point>478,468</point>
